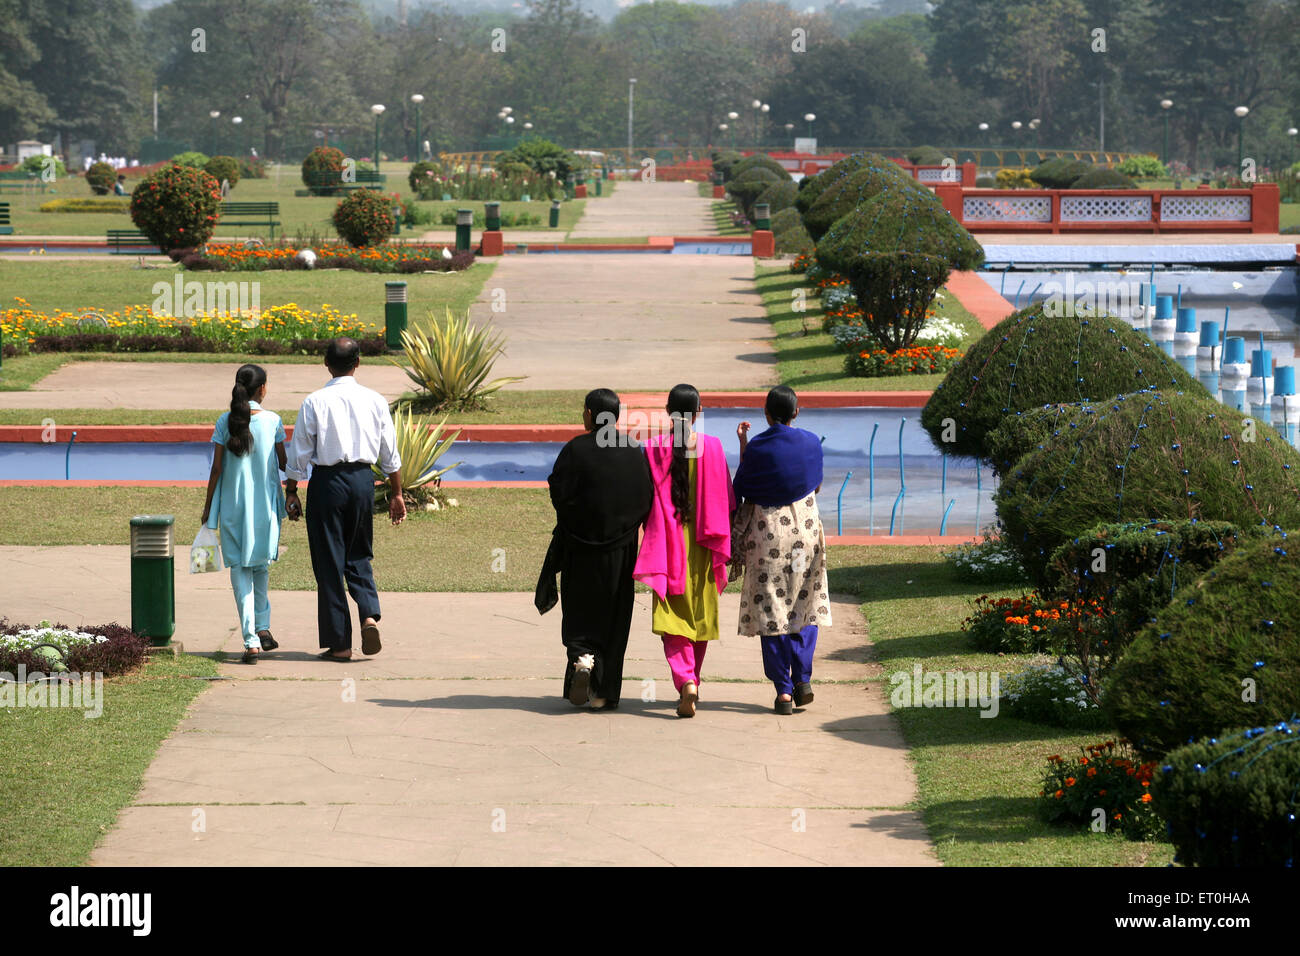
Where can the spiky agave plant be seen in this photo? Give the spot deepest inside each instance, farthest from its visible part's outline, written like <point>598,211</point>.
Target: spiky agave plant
<point>452,359</point>
<point>420,445</point>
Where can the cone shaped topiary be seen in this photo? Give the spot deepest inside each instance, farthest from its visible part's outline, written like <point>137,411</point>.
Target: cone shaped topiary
<point>897,250</point>
<point>790,234</point>
<point>811,188</point>
<point>1034,358</point>
<point>848,192</point>
<point>748,186</point>
<point>778,196</point>
<point>1150,454</point>
<point>1224,653</point>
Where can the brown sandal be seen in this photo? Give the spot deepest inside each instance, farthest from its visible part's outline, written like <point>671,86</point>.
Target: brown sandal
<point>690,694</point>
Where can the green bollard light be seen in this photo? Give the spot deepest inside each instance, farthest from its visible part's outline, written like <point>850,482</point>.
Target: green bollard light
<point>598,190</point>
<point>569,186</point>
<point>464,223</point>
<point>153,582</point>
<point>394,313</point>
<point>762,215</point>
<point>555,213</point>
<point>492,215</point>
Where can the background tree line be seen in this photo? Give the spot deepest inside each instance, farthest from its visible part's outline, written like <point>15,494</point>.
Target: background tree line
<point>293,69</point>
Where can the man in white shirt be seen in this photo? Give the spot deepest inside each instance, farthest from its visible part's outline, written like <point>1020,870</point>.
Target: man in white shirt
<point>341,430</point>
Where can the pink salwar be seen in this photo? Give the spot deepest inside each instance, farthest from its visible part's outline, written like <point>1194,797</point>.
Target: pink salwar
<point>685,659</point>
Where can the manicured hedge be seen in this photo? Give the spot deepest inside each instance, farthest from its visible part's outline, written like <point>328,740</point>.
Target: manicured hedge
<point>1141,456</point>
<point>1231,800</point>
<point>779,196</point>
<point>811,187</point>
<point>789,232</point>
<point>1103,179</point>
<point>757,161</point>
<point>849,192</point>
<point>1232,634</point>
<point>1031,359</point>
<point>749,185</point>
<point>1059,173</point>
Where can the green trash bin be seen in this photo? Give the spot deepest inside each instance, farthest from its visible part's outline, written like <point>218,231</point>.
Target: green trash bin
<point>394,313</point>
<point>153,581</point>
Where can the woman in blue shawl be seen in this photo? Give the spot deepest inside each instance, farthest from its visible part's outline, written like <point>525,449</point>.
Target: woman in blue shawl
<point>779,538</point>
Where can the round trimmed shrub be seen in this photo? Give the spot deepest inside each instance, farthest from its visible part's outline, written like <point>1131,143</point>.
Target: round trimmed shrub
<point>1103,179</point>
<point>811,187</point>
<point>724,160</point>
<point>223,168</point>
<point>758,161</point>
<point>849,192</point>
<point>322,170</point>
<point>1147,455</point>
<point>176,207</point>
<point>365,218</point>
<point>748,186</point>
<point>190,158</point>
<point>1143,167</point>
<point>100,177</point>
<point>779,196</point>
<point>1058,173</point>
<point>790,235</point>
<point>1036,357</point>
<point>1233,634</point>
<point>925,156</point>
<point>420,172</point>
<point>1230,800</point>
<point>897,250</point>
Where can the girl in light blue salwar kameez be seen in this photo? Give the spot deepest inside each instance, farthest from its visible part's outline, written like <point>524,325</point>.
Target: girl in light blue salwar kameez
<point>245,502</point>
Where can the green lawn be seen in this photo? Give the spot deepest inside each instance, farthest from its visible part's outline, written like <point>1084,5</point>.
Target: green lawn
<point>722,224</point>
<point>308,216</point>
<point>65,778</point>
<point>807,356</point>
<point>978,777</point>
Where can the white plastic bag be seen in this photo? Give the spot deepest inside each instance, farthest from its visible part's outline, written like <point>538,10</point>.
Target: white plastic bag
<point>205,552</point>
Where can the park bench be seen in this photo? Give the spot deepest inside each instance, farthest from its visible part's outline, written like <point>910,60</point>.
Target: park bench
<point>366,179</point>
<point>5,228</point>
<point>132,240</point>
<point>21,180</point>
<point>251,214</point>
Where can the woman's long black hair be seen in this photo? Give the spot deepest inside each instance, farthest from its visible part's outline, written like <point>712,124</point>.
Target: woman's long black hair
<point>683,402</point>
<point>248,380</point>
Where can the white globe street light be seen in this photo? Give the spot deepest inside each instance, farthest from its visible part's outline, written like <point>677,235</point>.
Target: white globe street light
<point>1240,112</point>
<point>378,110</point>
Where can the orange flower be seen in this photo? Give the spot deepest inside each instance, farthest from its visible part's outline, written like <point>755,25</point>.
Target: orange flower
<point>1146,798</point>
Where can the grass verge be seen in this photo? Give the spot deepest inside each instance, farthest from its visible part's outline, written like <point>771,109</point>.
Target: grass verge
<point>978,778</point>
<point>65,778</point>
<point>808,358</point>
<point>722,224</point>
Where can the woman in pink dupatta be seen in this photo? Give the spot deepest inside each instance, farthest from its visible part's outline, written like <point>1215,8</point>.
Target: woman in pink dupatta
<point>687,542</point>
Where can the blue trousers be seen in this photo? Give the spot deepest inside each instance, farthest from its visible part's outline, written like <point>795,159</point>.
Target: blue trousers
<point>340,509</point>
<point>787,658</point>
<point>251,601</point>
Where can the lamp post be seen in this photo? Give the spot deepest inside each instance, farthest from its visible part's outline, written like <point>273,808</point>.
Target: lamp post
<point>789,133</point>
<point>731,125</point>
<point>417,99</point>
<point>1240,112</point>
<point>1034,124</point>
<point>1292,133</point>
<point>1165,106</point>
<point>237,121</point>
<point>214,114</point>
<point>378,110</point>
<point>631,90</point>
<point>722,127</point>
<point>810,118</point>
<point>1015,126</point>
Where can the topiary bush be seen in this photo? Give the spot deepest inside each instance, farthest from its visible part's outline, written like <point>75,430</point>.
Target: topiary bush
<point>223,168</point>
<point>1143,167</point>
<point>176,207</point>
<point>897,250</point>
<point>1224,653</point>
<point>322,170</point>
<point>758,161</point>
<point>724,160</point>
<point>748,186</point>
<point>543,157</point>
<point>1058,173</point>
<point>1231,800</point>
<point>1103,179</point>
<point>843,196</point>
<point>1034,358</point>
<point>812,187</point>
<point>420,172</point>
<point>925,156</point>
<point>100,178</point>
<point>190,157</point>
<point>1146,455</point>
<point>365,218</point>
<point>779,196</point>
<point>789,233</point>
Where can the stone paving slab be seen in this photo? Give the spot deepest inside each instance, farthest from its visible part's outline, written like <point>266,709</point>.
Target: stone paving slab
<point>639,208</point>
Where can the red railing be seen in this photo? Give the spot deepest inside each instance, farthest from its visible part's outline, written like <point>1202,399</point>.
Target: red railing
<point>1253,210</point>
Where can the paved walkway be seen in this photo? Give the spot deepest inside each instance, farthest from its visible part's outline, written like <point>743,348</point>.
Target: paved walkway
<point>453,746</point>
<point>638,208</point>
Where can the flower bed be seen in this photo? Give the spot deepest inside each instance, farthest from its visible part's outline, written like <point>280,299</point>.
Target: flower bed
<point>1107,778</point>
<point>1050,694</point>
<point>279,330</point>
<point>106,649</point>
<point>392,257</point>
<point>916,360</point>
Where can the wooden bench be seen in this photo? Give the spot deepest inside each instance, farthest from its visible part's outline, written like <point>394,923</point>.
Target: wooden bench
<point>133,240</point>
<point>253,213</point>
<point>5,228</point>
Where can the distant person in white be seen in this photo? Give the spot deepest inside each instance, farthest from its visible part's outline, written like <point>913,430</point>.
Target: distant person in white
<point>342,429</point>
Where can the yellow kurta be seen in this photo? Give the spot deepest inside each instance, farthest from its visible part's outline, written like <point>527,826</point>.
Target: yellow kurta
<point>693,614</point>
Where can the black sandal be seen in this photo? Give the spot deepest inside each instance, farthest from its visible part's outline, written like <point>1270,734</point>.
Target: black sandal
<point>269,643</point>
<point>783,707</point>
<point>250,656</point>
<point>803,694</point>
<point>329,655</point>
